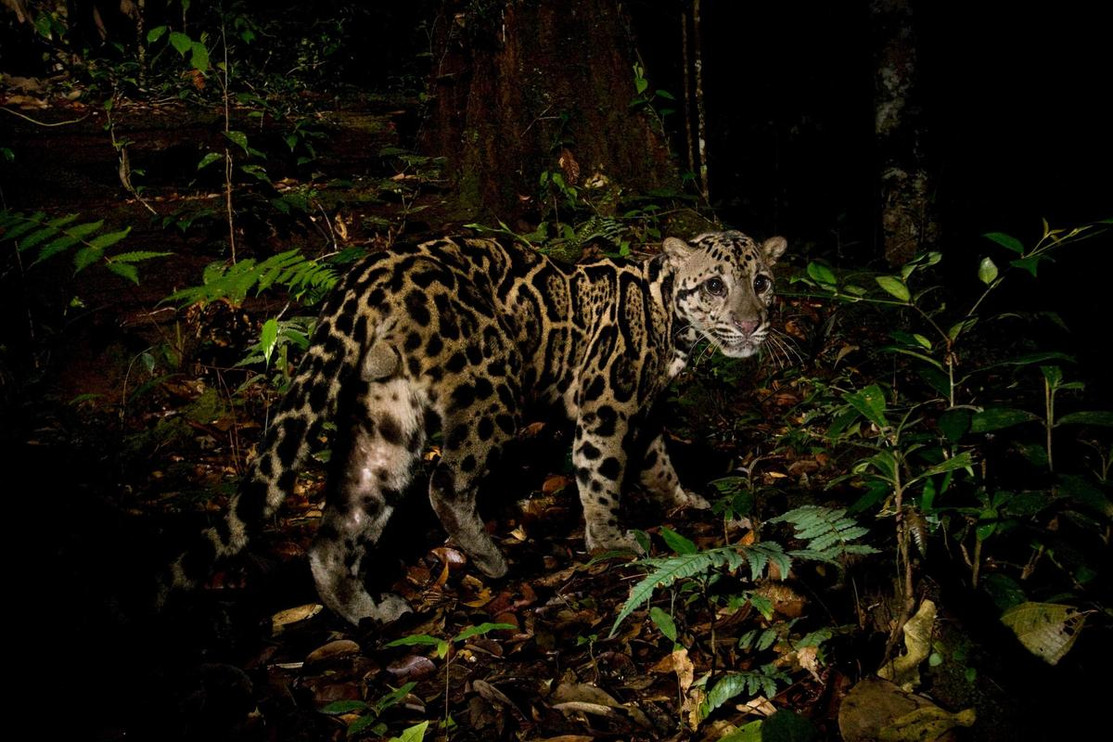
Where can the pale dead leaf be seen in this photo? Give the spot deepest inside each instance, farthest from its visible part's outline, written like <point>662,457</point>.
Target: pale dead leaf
<point>333,650</point>
<point>282,619</point>
<point>904,670</point>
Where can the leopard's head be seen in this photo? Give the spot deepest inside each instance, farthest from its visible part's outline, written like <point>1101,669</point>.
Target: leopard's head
<point>723,287</point>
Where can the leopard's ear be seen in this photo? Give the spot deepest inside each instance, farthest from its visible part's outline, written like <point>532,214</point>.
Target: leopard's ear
<point>773,248</point>
<point>677,250</point>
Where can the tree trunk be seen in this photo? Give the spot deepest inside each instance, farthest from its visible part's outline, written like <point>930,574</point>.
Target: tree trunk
<point>908,223</point>
<point>524,87</point>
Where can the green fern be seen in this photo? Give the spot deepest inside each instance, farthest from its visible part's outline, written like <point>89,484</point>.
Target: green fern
<point>291,269</point>
<point>45,238</point>
<point>669,570</point>
<point>829,533</point>
<point>763,680</point>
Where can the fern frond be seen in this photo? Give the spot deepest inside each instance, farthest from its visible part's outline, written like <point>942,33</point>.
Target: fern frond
<point>290,269</point>
<point>669,570</point>
<point>763,680</point>
<point>828,532</point>
<point>47,238</point>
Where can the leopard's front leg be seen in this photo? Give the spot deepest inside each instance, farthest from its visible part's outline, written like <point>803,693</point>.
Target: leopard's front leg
<point>659,477</point>
<point>599,460</point>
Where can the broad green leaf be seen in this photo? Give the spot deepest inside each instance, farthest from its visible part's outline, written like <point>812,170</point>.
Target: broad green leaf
<point>268,338</point>
<point>997,418</point>
<point>1006,241</point>
<point>1086,493</point>
<point>1087,417</point>
<point>679,544</point>
<point>209,159</point>
<point>821,274</point>
<point>871,403</point>
<point>238,138</point>
<point>481,629</point>
<point>954,423</point>
<point>1031,358</point>
<point>337,708</point>
<point>987,271</point>
<point>156,33</point>
<point>199,59</point>
<point>416,733</point>
<point>394,697</point>
<point>417,640</point>
<point>914,354</point>
<point>885,463</point>
<point>961,461</point>
<point>894,287</point>
<point>1047,630</point>
<point>1030,264</point>
<point>1053,374</point>
<point>369,723</point>
<point>788,726</point>
<point>936,378</point>
<point>181,42</point>
<point>664,623</point>
<point>960,327</point>
<point>750,732</point>
<point>257,171</point>
<point>1004,590</point>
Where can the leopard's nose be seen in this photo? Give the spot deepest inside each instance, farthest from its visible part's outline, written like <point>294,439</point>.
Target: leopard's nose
<point>747,326</point>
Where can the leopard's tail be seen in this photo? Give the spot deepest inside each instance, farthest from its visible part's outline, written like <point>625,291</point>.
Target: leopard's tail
<point>332,362</point>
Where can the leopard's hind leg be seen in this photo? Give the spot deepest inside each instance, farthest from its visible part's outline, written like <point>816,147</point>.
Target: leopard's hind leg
<point>471,442</point>
<point>384,448</point>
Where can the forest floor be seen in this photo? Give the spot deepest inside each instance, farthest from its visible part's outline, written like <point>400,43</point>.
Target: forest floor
<point>132,422</point>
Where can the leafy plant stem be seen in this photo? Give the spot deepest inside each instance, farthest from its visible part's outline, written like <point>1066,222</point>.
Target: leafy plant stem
<point>226,96</point>
<point>1049,418</point>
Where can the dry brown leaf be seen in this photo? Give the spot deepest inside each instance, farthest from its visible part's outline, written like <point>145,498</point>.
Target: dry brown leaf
<point>555,483</point>
<point>333,650</point>
<point>785,600</point>
<point>904,670</point>
<point>411,667</point>
<point>282,619</point>
<point>583,693</point>
<point>491,694</point>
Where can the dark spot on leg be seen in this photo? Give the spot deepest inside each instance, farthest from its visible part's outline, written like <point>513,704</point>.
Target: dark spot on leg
<point>610,468</point>
<point>390,430</point>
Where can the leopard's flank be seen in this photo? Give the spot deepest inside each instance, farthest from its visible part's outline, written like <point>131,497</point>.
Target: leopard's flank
<point>455,336</point>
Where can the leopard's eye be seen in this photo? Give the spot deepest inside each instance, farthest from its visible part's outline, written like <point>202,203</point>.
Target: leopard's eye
<point>715,286</point>
<point>761,284</point>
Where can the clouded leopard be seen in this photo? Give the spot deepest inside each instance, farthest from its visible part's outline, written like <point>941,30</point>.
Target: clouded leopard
<point>454,336</point>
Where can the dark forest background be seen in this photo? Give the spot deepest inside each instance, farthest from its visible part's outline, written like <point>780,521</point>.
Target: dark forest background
<point>136,377</point>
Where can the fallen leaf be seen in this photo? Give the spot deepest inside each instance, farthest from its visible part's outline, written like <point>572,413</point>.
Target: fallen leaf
<point>1047,630</point>
<point>555,484</point>
<point>332,651</point>
<point>877,709</point>
<point>904,670</point>
<point>583,693</point>
<point>491,694</point>
<point>282,619</point>
<point>411,667</point>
